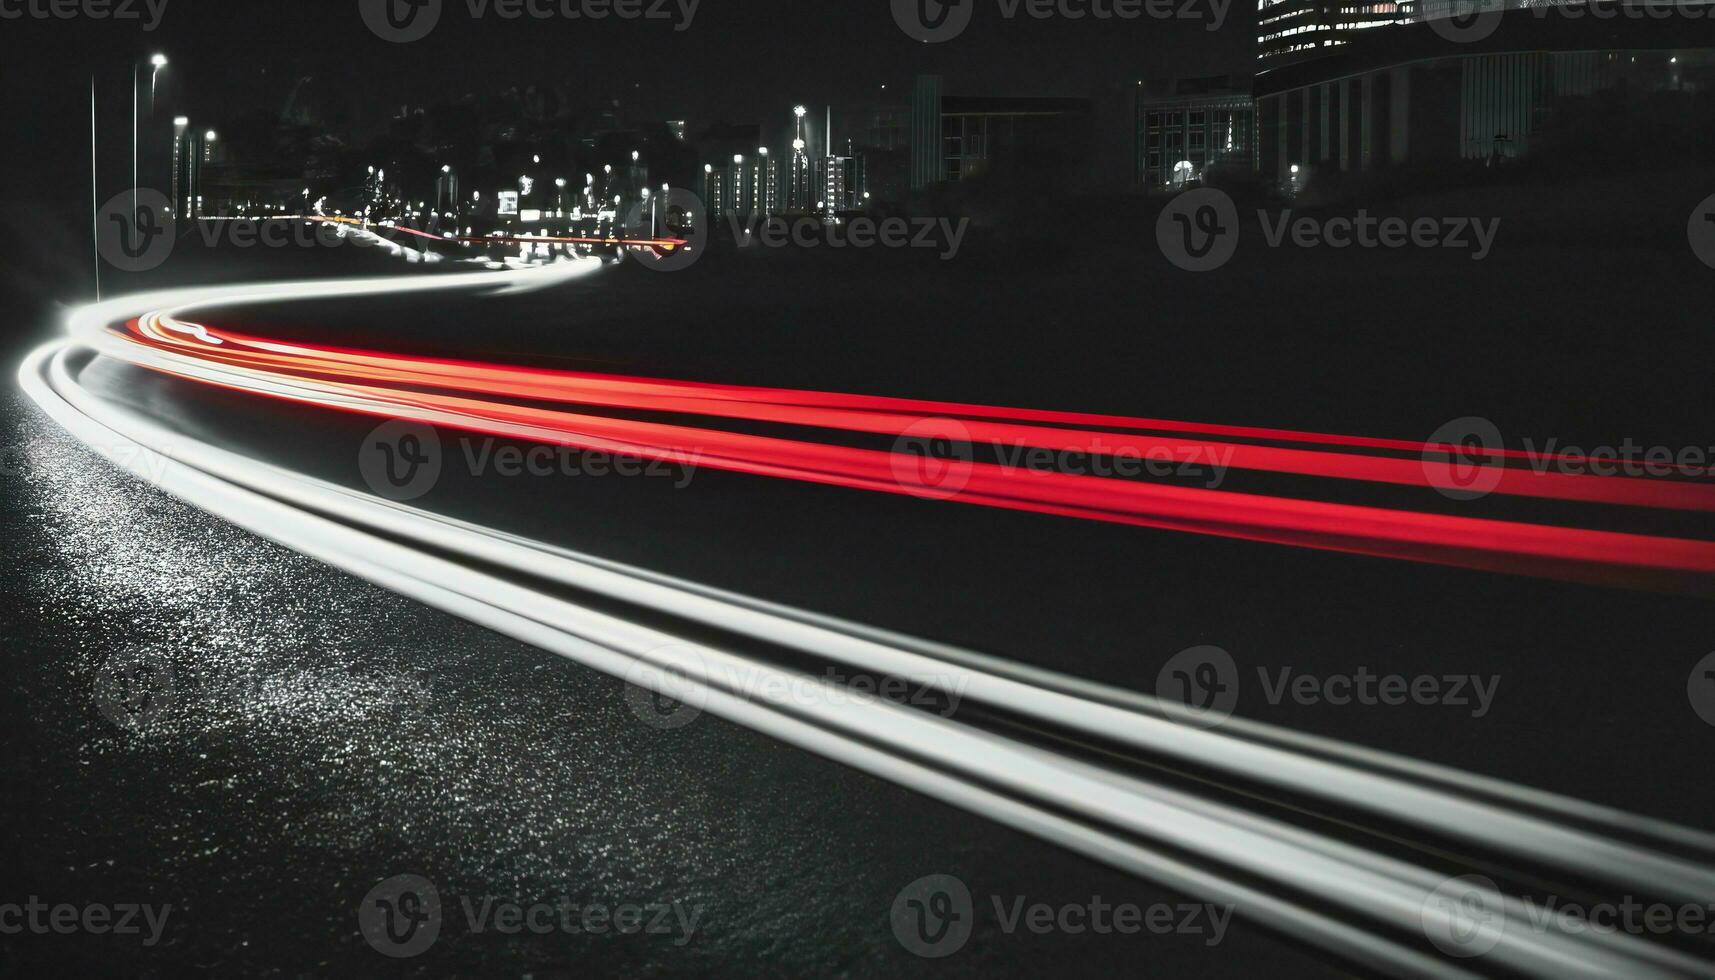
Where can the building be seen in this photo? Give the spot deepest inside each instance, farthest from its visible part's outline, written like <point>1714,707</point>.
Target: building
<point>955,138</point>
<point>1412,95</point>
<point>1188,128</point>
<point>1291,30</point>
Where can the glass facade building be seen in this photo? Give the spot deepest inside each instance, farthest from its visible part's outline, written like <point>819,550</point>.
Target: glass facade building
<point>1189,129</point>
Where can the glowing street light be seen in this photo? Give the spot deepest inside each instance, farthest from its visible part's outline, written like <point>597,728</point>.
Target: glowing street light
<point>156,63</point>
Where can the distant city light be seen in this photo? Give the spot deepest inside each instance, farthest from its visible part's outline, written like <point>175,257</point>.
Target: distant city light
<point>210,136</point>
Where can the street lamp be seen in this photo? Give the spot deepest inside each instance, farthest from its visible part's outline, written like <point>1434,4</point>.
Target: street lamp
<point>156,63</point>
<point>180,124</point>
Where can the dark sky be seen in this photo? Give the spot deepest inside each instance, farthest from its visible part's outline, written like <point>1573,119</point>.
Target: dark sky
<point>740,61</point>
<point>737,57</point>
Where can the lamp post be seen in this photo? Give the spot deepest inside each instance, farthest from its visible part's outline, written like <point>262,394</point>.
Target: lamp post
<point>156,63</point>
<point>180,123</point>
<point>208,140</point>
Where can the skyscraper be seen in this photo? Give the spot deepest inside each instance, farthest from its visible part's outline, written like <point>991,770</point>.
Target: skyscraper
<point>801,182</point>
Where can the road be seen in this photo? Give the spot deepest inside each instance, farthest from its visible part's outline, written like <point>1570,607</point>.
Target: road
<point>1103,602</point>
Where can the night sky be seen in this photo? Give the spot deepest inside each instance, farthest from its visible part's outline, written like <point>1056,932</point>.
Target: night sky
<point>740,61</point>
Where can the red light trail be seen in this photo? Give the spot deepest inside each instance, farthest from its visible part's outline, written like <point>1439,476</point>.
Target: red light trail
<point>505,400</point>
